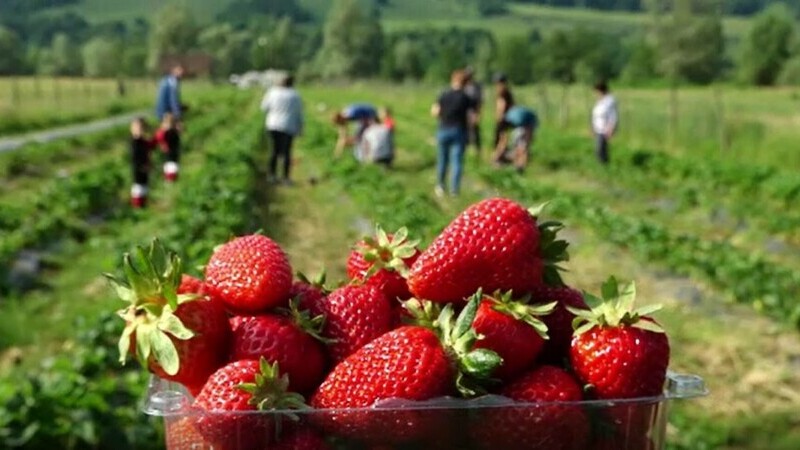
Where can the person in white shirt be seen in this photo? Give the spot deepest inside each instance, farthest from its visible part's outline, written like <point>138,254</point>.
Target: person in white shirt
<point>284,122</point>
<point>377,144</point>
<point>604,120</point>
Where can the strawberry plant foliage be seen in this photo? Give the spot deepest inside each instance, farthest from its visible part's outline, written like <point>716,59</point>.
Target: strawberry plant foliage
<point>615,308</point>
<point>152,277</point>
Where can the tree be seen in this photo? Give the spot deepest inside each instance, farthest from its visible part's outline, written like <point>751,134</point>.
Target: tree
<point>62,58</point>
<point>352,43</point>
<point>279,49</point>
<point>642,61</point>
<point>174,31</point>
<point>767,47</point>
<point>514,57</point>
<point>12,52</point>
<point>407,59</point>
<point>102,57</point>
<point>229,48</point>
<point>691,45</point>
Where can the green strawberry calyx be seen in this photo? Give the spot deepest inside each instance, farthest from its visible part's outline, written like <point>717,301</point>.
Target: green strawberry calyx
<point>385,252</point>
<point>553,250</point>
<point>422,313</point>
<point>614,309</point>
<point>317,282</point>
<point>270,390</point>
<point>152,278</point>
<point>474,366</point>
<point>521,310</point>
<point>303,319</point>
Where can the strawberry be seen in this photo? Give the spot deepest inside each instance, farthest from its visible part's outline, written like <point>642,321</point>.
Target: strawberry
<point>548,426</point>
<point>354,316</point>
<point>617,350</point>
<point>182,338</point>
<point>236,389</point>
<point>495,244</point>
<point>383,262</point>
<point>409,363</point>
<point>191,285</point>
<point>309,292</point>
<point>628,426</point>
<point>290,343</point>
<point>513,330</point>
<point>559,322</point>
<point>181,434</point>
<point>238,321</point>
<point>249,274</point>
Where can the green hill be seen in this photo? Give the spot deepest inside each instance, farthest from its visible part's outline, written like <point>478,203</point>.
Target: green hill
<point>410,14</point>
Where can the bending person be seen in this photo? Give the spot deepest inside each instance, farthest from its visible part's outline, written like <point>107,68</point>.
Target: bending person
<point>361,113</point>
<point>514,145</point>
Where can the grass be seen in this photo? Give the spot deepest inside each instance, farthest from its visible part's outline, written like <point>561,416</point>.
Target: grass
<point>30,103</point>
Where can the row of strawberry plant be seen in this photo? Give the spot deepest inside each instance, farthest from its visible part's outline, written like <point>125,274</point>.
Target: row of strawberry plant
<point>390,197</point>
<point>63,205</point>
<point>222,197</point>
<point>747,278</point>
<point>83,398</point>
<point>758,195</point>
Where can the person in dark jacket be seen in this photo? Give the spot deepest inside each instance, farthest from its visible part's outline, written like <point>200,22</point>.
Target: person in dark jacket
<point>456,112</point>
<point>503,102</point>
<point>140,148</point>
<point>169,140</point>
<point>168,99</point>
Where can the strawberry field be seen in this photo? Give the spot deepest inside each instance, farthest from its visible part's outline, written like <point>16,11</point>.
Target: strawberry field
<point>716,242</point>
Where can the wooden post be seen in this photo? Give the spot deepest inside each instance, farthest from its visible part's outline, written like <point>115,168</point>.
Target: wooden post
<point>564,105</point>
<point>15,92</point>
<point>544,100</point>
<point>721,128</point>
<point>673,115</point>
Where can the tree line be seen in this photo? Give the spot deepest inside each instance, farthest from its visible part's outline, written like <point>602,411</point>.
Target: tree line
<point>684,43</point>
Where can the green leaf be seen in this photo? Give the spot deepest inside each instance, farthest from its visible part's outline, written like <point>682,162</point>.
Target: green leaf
<point>648,309</point>
<point>170,323</point>
<point>124,344</point>
<point>383,238</point>
<point>649,326</point>
<point>582,328</point>
<point>536,211</point>
<point>401,234</point>
<point>165,352</point>
<point>467,316</point>
<point>627,295</point>
<point>143,340</point>
<point>610,289</point>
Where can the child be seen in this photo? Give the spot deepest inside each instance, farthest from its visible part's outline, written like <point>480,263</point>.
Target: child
<point>140,162</point>
<point>169,140</point>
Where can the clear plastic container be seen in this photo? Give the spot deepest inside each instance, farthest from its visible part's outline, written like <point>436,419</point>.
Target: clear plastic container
<point>487,423</point>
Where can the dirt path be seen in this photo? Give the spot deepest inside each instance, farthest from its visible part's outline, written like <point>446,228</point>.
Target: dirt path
<point>11,143</point>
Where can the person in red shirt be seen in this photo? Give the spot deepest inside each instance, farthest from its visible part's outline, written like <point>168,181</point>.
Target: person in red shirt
<point>168,139</point>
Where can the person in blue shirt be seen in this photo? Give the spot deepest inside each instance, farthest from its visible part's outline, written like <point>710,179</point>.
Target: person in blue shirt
<point>515,142</point>
<point>168,99</point>
<point>362,114</point>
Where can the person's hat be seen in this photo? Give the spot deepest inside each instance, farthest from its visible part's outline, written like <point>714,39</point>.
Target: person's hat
<point>499,77</point>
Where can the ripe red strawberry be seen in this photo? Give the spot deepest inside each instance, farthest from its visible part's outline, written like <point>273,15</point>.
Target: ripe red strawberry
<point>240,387</point>
<point>249,274</point>
<point>290,343</point>
<point>549,426</point>
<point>191,285</point>
<point>303,439</point>
<point>238,321</point>
<point>559,322</point>
<point>309,292</point>
<point>411,363</point>
<point>513,330</point>
<point>181,434</point>
<point>183,338</point>
<point>617,350</point>
<point>495,244</point>
<point>354,316</point>
<point>383,262</point>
